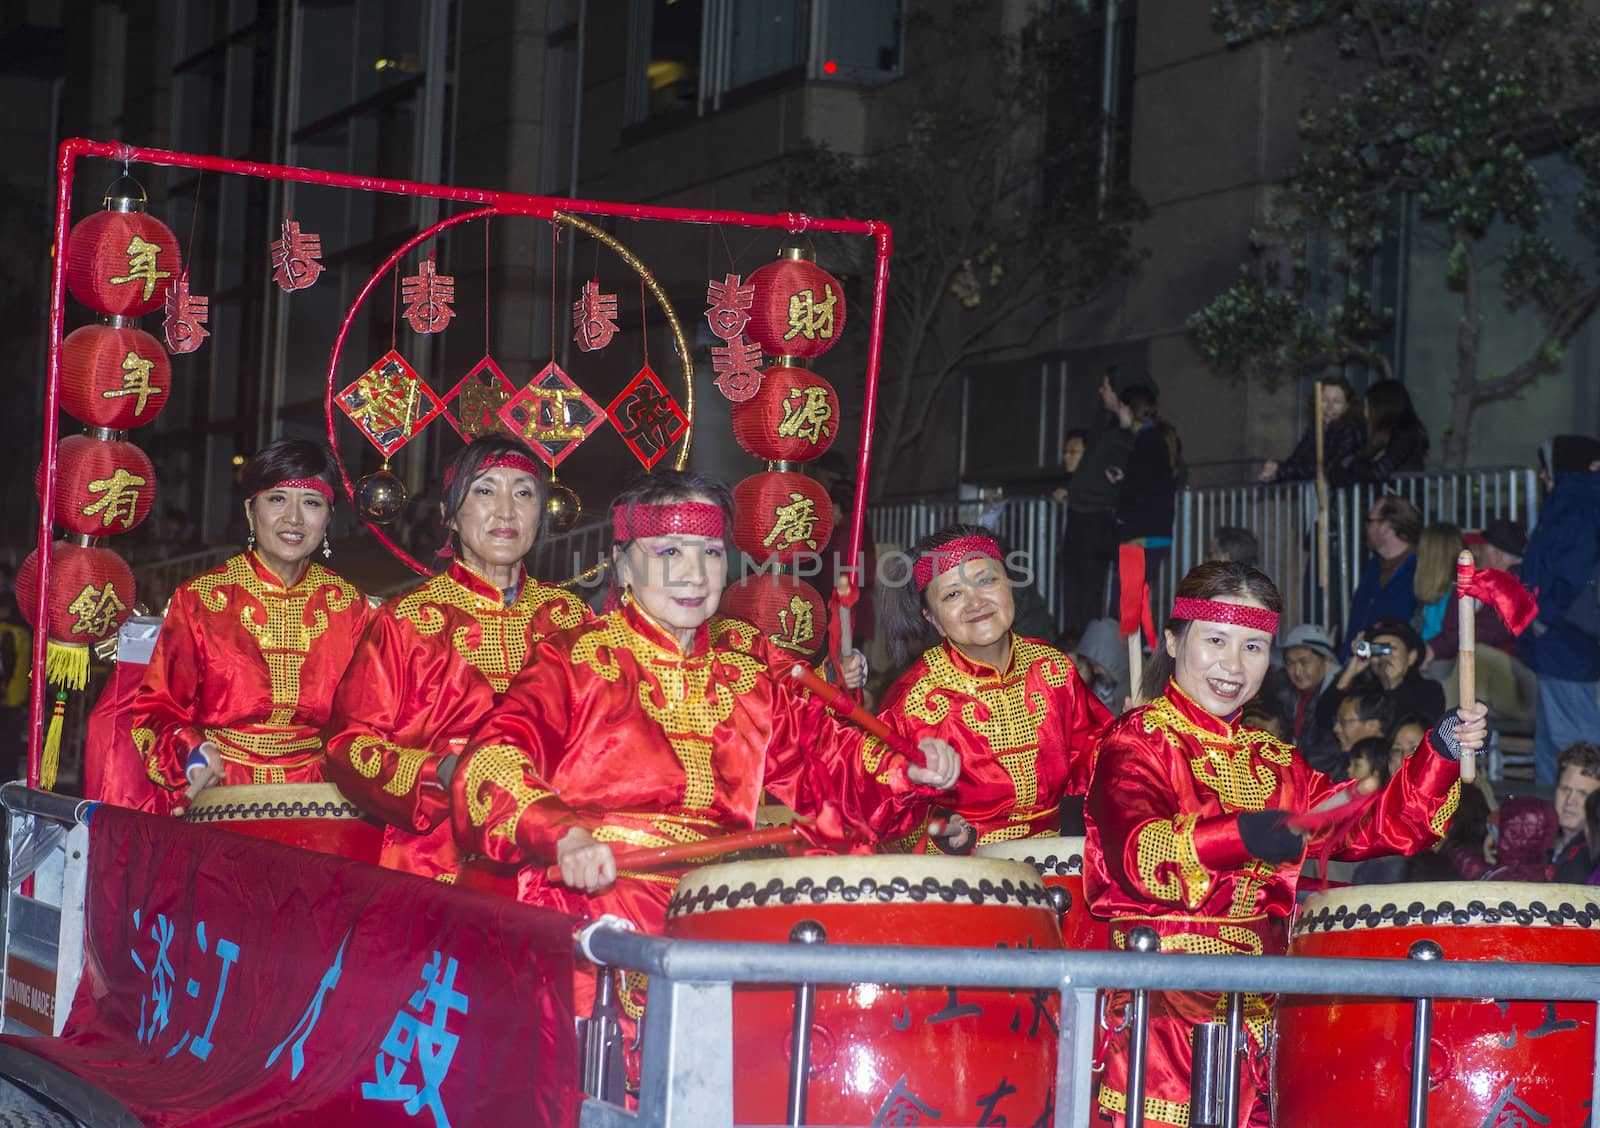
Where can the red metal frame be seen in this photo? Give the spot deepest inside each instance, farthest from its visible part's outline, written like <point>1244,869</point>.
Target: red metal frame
<point>540,206</point>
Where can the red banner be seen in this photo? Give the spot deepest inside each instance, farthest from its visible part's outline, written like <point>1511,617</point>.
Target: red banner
<point>232,981</point>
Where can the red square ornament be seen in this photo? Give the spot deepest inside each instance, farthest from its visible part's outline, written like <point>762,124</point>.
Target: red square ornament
<point>473,405</point>
<point>390,403</point>
<point>647,417</point>
<point>552,414</point>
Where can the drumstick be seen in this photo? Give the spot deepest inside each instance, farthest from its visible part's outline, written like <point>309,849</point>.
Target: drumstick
<point>841,705</point>
<point>845,641</point>
<point>1466,662</point>
<point>654,857</point>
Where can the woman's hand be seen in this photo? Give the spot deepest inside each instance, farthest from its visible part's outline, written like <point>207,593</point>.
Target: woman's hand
<point>1114,474</point>
<point>1269,471</point>
<point>854,670</point>
<point>585,864</point>
<point>1357,664</point>
<point>943,765</point>
<point>204,768</point>
<point>1464,729</point>
<point>1059,494</point>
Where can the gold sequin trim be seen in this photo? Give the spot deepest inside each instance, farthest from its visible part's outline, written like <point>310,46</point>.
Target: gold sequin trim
<point>1168,865</point>
<point>271,744</point>
<point>1155,1109</point>
<point>496,642</point>
<point>1440,822</point>
<point>506,768</point>
<point>366,755</point>
<point>408,764</point>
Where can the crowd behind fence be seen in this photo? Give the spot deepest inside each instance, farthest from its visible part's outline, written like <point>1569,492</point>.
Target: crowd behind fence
<point>1282,517</point>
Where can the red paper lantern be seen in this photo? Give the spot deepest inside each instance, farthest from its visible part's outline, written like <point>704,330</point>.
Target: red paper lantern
<point>122,263</point>
<point>91,593</point>
<point>113,378</point>
<point>793,417</point>
<point>781,515</point>
<point>102,488</point>
<point>799,308</point>
<point>784,608</point>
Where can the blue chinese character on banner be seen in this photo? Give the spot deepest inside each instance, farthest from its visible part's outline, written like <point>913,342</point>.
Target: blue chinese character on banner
<point>228,953</point>
<point>159,1002</point>
<point>308,1021</point>
<point>426,1033</point>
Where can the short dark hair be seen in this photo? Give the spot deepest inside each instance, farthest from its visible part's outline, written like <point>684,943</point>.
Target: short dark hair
<point>663,487</point>
<point>1211,580</point>
<point>1400,515</point>
<point>1373,705</point>
<point>1583,756</point>
<point>283,460</point>
<point>1238,544</point>
<point>1423,723</point>
<point>905,630</point>
<point>467,466</point>
<point>1395,628</point>
<point>1375,751</point>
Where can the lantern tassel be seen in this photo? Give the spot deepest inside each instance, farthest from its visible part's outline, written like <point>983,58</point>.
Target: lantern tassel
<point>50,761</point>
<point>67,665</point>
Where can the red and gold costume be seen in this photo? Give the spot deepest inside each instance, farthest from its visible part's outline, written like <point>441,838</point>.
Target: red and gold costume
<point>1164,850</point>
<point>1026,737</point>
<point>251,666</point>
<point>432,667</point>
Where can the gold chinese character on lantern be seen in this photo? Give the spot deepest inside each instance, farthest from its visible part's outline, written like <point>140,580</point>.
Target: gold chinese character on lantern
<point>135,381</point>
<point>549,419</point>
<point>810,318</point>
<point>142,257</point>
<point>97,610</point>
<point>808,416</point>
<point>798,621</point>
<point>388,401</point>
<point>793,524</point>
<point>119,498</point>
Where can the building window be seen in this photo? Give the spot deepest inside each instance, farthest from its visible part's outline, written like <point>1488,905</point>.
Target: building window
<point>672,59</point>
<point>859,40</point>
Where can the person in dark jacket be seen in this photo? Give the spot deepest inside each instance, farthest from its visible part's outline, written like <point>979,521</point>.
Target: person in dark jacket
<point>1527,832</point>
<point>1397,441</point>
<point>1090,539</point>
<point>1344,437</point>
<point>1576,784</point>
<point>1395,664</point>
<point>1387,578</point>
<point>1561,646</point>
<point>1310,669</point>
<point>1148,484</point>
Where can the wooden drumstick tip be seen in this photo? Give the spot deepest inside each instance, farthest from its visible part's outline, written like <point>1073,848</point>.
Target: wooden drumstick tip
<point>1469,766</point>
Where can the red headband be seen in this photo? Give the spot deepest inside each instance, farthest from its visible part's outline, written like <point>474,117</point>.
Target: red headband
<point>511,460</point>
<point>951,554</point>
<point>1235,614</point>
<point>685,518</point>
<point>316,485</point>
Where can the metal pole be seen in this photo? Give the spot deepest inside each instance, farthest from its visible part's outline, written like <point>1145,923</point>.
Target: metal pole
<point>1421,1041</point>
<point>597,1035</point>
<point>805,1006</point>
<point>1205,1075</point>
<point>1230,1090</point>
<point>1141,939</point>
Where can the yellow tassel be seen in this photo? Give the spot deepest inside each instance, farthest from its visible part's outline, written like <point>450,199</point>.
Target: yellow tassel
<point>66,665</point>
<point>51,759</point>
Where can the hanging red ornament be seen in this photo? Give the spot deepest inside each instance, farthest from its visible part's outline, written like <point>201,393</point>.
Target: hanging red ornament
<point>473,405</point>
<point>390,403</point>
<point>102,488</point>
<point>91,593</point>
<point>186,317</point>
<point>739,365</point>
<point>121,263</point>
<point>794,417</point>
<point>294,258</point>
<point>116,378</point>
<point>647,417</point>
<point>785,608</point>
<point>429,298</point>
<point>552,414</point>
<point>780,515</point>
<point>728,306</point>
<point>799,307</point>
<point>594,317</point>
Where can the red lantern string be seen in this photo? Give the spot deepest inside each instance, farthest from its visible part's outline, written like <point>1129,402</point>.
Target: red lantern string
<point>486,286</point>
<point>555,237</point>
<point>644,327</point>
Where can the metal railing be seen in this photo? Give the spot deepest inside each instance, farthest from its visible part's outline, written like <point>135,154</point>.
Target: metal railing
<point>687,1076</point>
<point>561,556</point>
<point>155,581</point>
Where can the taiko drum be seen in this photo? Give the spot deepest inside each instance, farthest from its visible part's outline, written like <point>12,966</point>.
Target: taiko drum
<point>312,816</point>
<point>1059,863</point>
<point>1347,1060</point>
<point>882,1054</point>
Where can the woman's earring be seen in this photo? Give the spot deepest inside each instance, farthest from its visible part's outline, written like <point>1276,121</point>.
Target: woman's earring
<point>250,541</point>
<point>327,549</point>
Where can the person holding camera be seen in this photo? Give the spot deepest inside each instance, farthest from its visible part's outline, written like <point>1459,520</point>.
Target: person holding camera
<point>1390,653</point>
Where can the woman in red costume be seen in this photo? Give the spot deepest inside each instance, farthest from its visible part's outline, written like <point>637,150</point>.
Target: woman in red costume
<point>437,659</point>
<point>1188,833</point>
<point>1015,708</point>
<point>242,677</point>
<point>652,725</point>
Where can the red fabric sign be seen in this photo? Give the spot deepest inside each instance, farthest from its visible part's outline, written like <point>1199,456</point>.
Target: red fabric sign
<point>233,981</point>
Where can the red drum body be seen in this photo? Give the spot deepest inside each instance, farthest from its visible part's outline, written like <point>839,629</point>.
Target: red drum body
<point>1058,862</point>
<point>312,816</point>
<point>882,1054</point>
<point>1346,1060</point>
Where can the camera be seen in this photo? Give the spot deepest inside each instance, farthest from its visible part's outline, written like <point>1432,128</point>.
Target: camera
<point>1365,649</point>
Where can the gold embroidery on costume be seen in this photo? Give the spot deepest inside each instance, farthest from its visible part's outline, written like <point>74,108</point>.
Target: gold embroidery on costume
<point>496,642</point>
<point>1164,1112</point>
<point>1168,865</point>
<point>144,742</point>
<point>503,766</point>
<point>1440,822</point>
<point>1229,764</point>
<point>366,755</point>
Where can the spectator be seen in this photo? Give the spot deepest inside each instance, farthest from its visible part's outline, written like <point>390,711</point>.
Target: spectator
<point>1395,663</point>
<point>1102,661</point>
<point>1408,733</point>
<point>1362,713</point>
<point>1435,582</point>
<point>1233,545</point>
<point>1309,663</point>
<point>1091,535</point>
<point>1561,561</point>
<point>1579,779</point>
<point>1591,828</point>
<point>1369,759</point>
<point>1072,450</point>
<point>1148,484</point>
<point>1344,434</point>
<point>1260,712</point>
<point>1527,830</point>
<point>1385,590</point>
<point>1500,545</point>
<point>1396,439</point>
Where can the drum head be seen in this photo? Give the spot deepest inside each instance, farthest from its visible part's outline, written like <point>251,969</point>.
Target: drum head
<point>1058,857</point>
<point>1451,903</point>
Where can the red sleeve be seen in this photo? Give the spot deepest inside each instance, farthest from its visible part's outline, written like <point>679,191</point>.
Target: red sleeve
<point>164,726</point>
<point>399,704</point>
<point>1083,722</point>
<point>1410,815</point>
